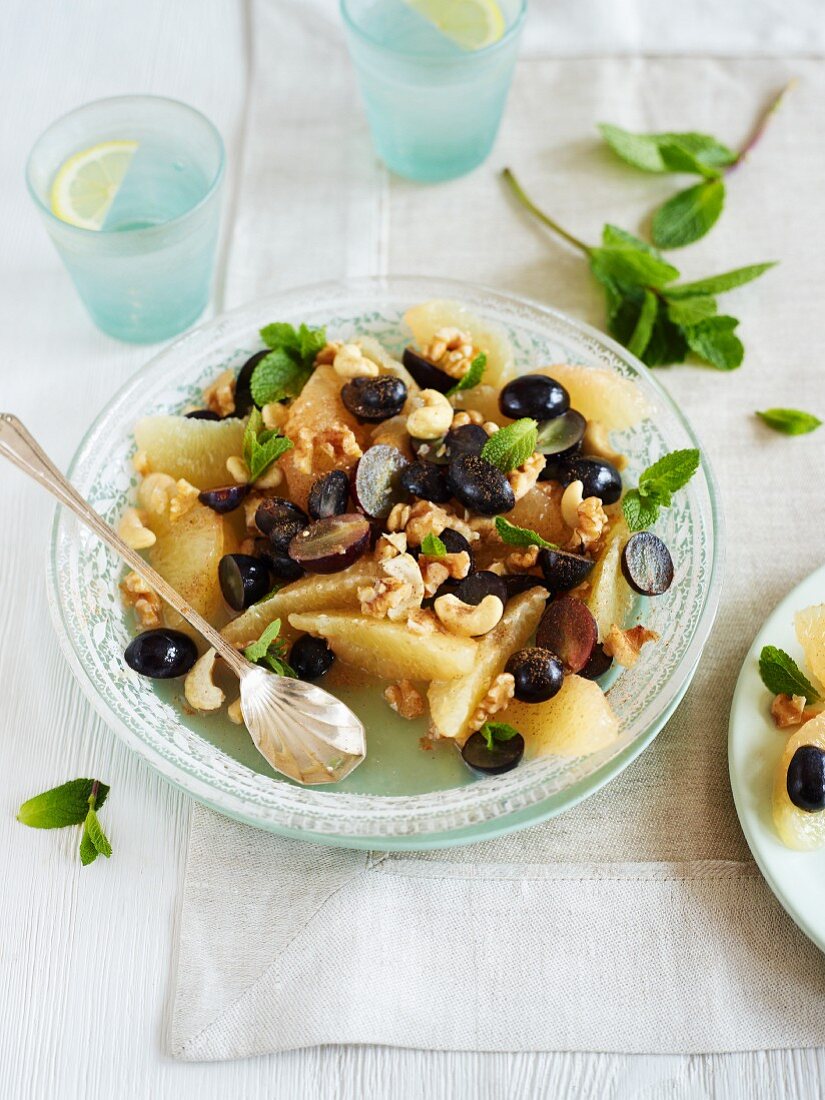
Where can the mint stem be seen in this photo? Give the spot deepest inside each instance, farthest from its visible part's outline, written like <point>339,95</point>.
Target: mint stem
<point>762,125</point>
<point>93,794</point>
<point>528,204</point>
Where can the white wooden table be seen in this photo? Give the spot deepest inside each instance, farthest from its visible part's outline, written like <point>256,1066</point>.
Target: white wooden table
<point>85,955</point>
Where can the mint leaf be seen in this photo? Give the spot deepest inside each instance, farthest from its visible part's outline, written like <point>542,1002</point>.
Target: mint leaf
<point>472,377</point>
<point>631,266</point>
<point>781,675</point>
<point>310,342</point>
<point>690,311</point>
<point>277,376</point>
<point>510,447</point>
<point>262,447</point>
<point>639,150</point>
<point>639,512</point>
<point>613,236</point>
<point>433,546</point>
<point>669,473</point>
<point>269,650</point>
<point>280,334</point>
<point>667,342</point>
<point>687,216</point>
<point>88,852</point>
<point>790,421</point>
<point>715,341</point>
<point>643,330</point>
<point>94,831</point>
<point>719,284</point>
<point>692,152</point>
<point>67,804</point>
<point>497,731</point>
<point>520,536</point>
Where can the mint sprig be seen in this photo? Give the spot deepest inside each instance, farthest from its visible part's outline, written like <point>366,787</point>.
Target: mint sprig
<point>520,536</point>
<point>262,446</point>
<point>689,214</point>
<point>510,447</point>
<point>473,376</point>
<point>269,650</point>
<point>641,290</point>
<point>433,546</point>
<point>790,421</point>
<point>657,484</point>
<point>781,675</point>
<point>285,371</point>
<point>497,731</point>
<point>72,803</point>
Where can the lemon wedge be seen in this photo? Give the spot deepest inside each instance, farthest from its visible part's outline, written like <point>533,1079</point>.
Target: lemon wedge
<point>471,24</point>
<point>86,184</point>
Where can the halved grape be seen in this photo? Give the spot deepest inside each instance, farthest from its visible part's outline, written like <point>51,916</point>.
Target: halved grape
<point>272,509</point>
<point>647,564</point>
<point>376,484</point>
<point>281,566</point>
<point>329,495</point>
<point>563,570</point>
<point>599,478</point>
<point>516,583</point>
<point>476,586</point>
<point>569,630</point>
<point>563,435</point>
<point>426,374</point>
<point>599,663</point>
<point>283,530</point>
<point>243,579</point>
<point>332,544</point>
<point>202,414</point>
<point>224,500</point>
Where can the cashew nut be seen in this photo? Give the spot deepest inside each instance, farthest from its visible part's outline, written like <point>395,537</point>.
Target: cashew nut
<point>234,712</point>
<point>468,620</point>
<point>238,470</point>
<point>570,501</point>
<point>405,568</point>
<point>433,417</point>
<point>200,690</point>
<point>350,362</point>
<point>134,532</point>
<point>271,479</point>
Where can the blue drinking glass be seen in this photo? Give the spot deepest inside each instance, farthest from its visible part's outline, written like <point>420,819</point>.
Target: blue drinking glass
<point>433,107</point>
<point>145,273</point>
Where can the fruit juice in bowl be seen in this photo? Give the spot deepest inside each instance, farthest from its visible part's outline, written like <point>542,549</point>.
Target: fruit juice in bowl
<point>129,189</point>
<point>434,77</point>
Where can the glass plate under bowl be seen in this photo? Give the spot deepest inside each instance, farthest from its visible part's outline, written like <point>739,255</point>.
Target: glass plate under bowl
<point>401,796</point>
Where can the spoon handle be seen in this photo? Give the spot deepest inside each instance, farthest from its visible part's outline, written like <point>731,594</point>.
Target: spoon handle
<point>20,448</point>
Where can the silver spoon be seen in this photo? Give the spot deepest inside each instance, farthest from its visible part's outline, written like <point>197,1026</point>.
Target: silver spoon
<point>301,730</point>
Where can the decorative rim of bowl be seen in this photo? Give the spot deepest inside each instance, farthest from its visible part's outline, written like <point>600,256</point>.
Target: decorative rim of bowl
<point>527,794</point>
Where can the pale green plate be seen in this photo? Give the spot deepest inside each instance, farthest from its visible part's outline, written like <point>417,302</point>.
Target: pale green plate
<point>401,797</point>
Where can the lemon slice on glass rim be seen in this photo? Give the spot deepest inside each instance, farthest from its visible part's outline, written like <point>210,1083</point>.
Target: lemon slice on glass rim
<point>86,184</point>
<point>471,24</point>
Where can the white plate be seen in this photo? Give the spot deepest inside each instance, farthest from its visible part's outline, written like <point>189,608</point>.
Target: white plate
<point>754,748</point>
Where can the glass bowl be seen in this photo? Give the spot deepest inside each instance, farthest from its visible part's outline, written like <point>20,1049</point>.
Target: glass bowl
<point>401,797</point>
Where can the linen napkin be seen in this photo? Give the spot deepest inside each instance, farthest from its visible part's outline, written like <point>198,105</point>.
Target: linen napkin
<point>637,921</point>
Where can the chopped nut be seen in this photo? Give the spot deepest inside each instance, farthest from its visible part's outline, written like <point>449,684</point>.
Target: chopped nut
<point>337,444</point>
<point>432,416</point>
<point>133,530</point>
<point>468,620</point>
<point>271,478</point>
<point>467,416</point>
<point>590,525</point>
<point>390,545</point>
<point>522,560</point>
<point>238,470</point>
<point>145,601</point>
<point>398,517</point>
<point>234,712</point>
<point>220,396</point>
<point>275,415</point>
<point>499,694</point>
<point>140,462</point>
<point>155,492</point>
<point>200,690</point>
<point>405,699</point>
<point>452,350</point>
<point>184,500</point>
<point>350,362</point>
<point>397,593</point>
<point>436,570</point>
<point>491,427</point>
<point>570,501</point>
<point>597,442</point>
<point>426,518</point>
<point>250,507</point>
<point>525,476</point>
<point>624,646</point>
<point>787,710</point>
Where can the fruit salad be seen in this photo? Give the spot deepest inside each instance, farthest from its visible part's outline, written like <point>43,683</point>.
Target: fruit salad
<point>436,522</point>
<point>798,801</point>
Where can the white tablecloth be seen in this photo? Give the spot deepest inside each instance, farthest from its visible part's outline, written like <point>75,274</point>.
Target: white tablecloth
<point>86,953</point>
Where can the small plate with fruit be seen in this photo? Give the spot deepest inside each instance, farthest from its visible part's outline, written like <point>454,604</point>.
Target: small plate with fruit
<point>776,752</point>
<point>483,526</point>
